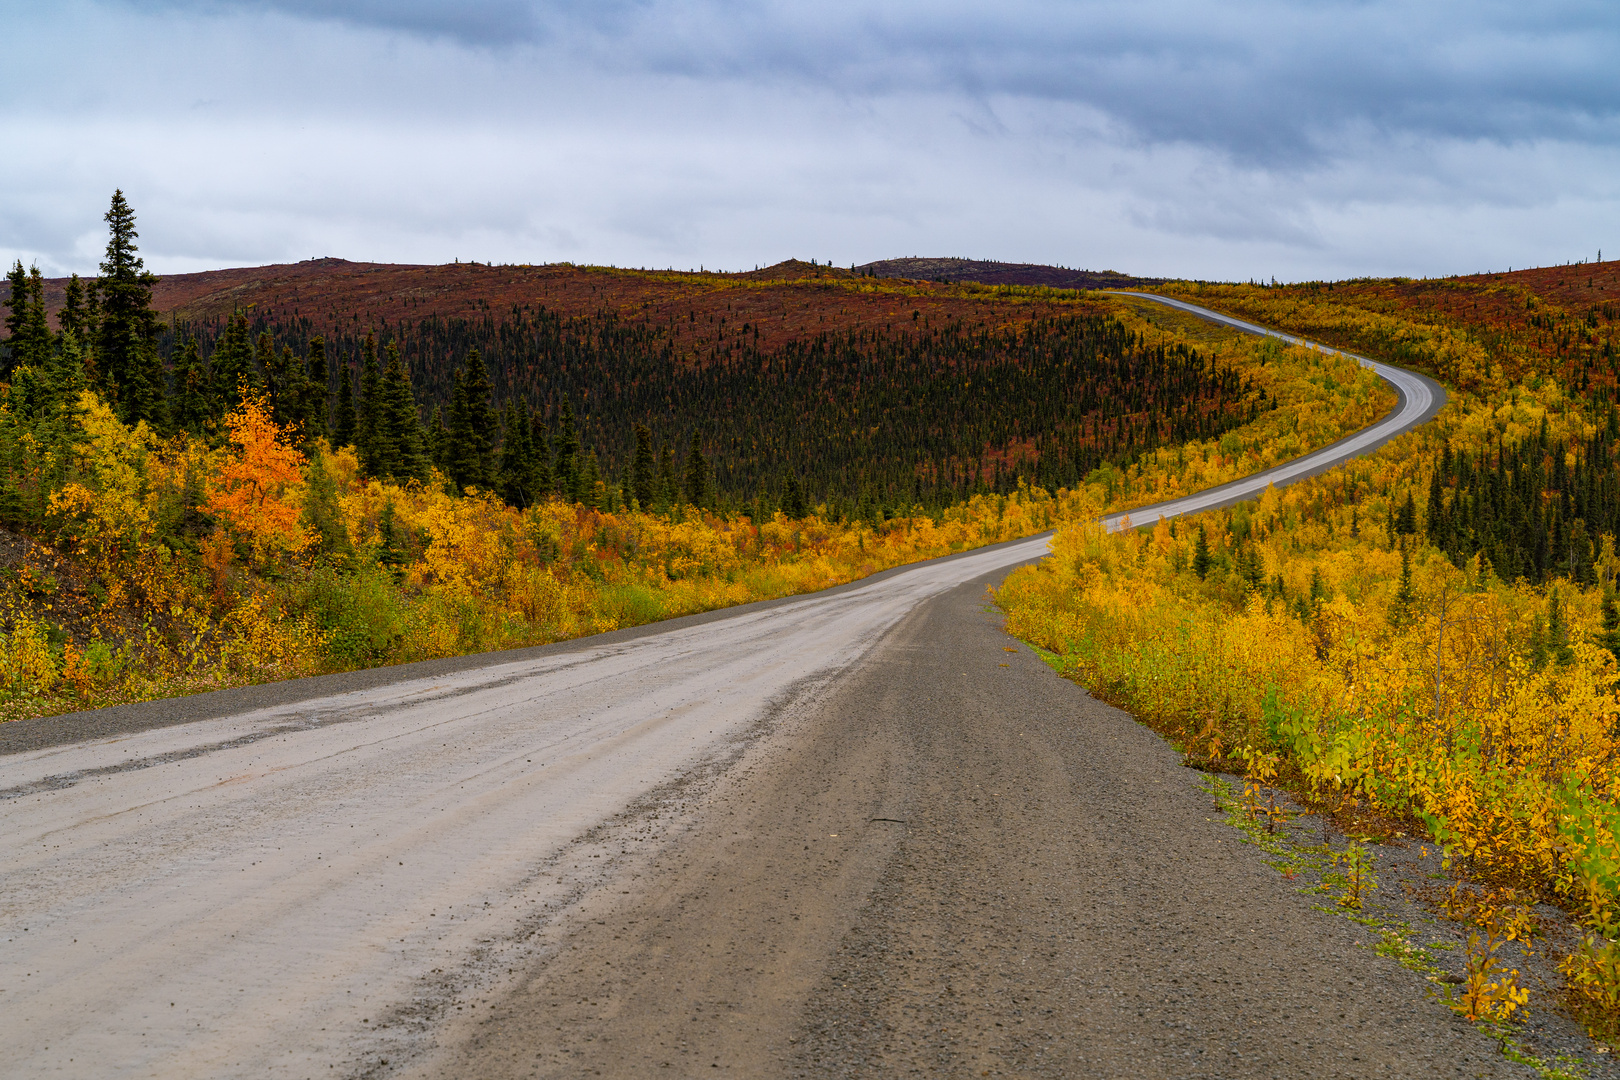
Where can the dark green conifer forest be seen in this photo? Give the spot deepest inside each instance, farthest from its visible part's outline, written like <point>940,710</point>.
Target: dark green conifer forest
<point>866,419</point>
<point>534,402</point>
<point>1525,507</point>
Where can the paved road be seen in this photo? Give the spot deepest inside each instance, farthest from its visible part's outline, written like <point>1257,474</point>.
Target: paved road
<point>664,844</point>
<point>1419,398</point>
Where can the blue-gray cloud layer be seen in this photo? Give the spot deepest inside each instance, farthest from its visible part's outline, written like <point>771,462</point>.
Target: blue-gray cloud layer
<point>1213,138</point>
<point>1261,80</point>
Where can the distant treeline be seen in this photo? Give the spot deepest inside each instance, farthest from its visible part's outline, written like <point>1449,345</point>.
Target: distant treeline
<point>1525,507</point>
<point>860,419</point>
<point>601,408</point>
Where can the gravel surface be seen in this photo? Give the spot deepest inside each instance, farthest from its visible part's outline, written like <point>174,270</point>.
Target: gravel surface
<point>958,864</point>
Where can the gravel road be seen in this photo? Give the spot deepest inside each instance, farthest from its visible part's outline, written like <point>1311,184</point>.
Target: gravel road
<point>855,833</point>
<point>957,864</point>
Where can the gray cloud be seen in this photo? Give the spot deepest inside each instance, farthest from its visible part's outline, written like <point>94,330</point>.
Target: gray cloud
<point>1274,81</point>
<point>478,22</point>
<point>1235,139</point>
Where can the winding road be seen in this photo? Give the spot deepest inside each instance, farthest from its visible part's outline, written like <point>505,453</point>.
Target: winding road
<point>858,832</point>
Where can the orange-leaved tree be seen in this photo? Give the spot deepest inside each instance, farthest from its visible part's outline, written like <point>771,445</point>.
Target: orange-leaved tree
<point>255,492</point>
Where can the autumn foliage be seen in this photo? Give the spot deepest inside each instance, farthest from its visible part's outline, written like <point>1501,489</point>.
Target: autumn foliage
<point>1355,628</point>
<point>254,490</point>
<point>198,562</point>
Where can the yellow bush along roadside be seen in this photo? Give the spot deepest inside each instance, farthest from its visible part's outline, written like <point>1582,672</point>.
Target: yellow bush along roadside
<point>26,663</point>
<point>1442,702</point>
<point>212,568</point>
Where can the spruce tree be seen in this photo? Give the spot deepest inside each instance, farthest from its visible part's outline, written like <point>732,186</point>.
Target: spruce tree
<point>517,457</point>
<point>1248,565</point>
<point>36,328</point>
<point>399,424</point>
<point>697,477</point>
<point>347,421</point>
<point>284,376</point>
<point>472,426</point>
<point>542,481</point>
<point>438,442</point>
<point>641,474</point>
<point>590,482</point>
<point>1400,608</point>
<point>67,373</point>
<point>1558,631</point>
<point>1609,638</point>
<point>28,340</point>
<point>793,498</point>
<point>143,394</point>
<point>73,317</point>
<point>16,305</point>
<point>566,462</point>
<point>1435,519</point>
<point>389,552</point>
<point>321,514</point>
<point>313,409</point>
<point>263,365</point>
<point>370,404</point>
<point>667,491</point>
<point>127,363</point>
<point>1406,520</point>
<point>1201,557</point>
<point>231,365</point>
<point>191,411</point>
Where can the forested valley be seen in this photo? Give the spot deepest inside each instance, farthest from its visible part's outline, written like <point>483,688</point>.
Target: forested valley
<point>868,421</point>
<point>255,474</point>
<point>301,471</point>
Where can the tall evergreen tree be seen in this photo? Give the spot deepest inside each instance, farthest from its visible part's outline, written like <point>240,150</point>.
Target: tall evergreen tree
<point>346,421</point>
<point>366,428</point>
<point>284,376</point>
<point>231,364</point>
<point>517,456</point>
<point>641,474</point>
<point>793,498</point>
<point>67,372</point>
<point>1434,521</point>
<point>1406,520</point>
<point>399,424</point>
<point>191,412</point>
<point>472,427</point>
<point>321,514</point>
<point>73,317</point>
<point>28,338</point>
<point>16,301</point>
<point>36,328</point>
<point>127,360</point>
<point>590,482</point>
<point>1201,557</point>
<point>542,481</point>
<point>143,395</point>
<point>667,490</point>
<point>1558,649</point>
<point>438,442</point>
<point>315,386</point>
<point>566,463</point>
<point>1400,608</point>
<point>697,477</point>
<point>1609,638</point>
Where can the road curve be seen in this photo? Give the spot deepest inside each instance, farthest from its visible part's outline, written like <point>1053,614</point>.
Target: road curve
<point>1419,399</point>
<point>325,877</point>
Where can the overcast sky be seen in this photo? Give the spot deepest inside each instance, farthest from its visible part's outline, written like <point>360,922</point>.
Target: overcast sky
<point>1245,138</point>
